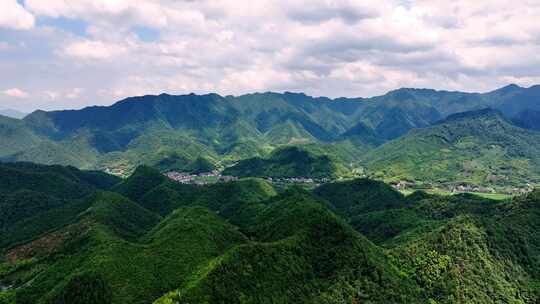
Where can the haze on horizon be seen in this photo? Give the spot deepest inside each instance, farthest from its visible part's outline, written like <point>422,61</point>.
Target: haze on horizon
<point>68,54</point>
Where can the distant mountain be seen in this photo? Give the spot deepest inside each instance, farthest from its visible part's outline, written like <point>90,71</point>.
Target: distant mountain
<point>176,130</point>
<point>512,99</point>
<point>12,113</point>
<point>480,147</point>
<point>362,135</point>
<point>528,119</point>
<point>16,137</point>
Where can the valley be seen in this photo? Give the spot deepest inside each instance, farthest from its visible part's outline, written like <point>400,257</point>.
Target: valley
<point>428,138</point>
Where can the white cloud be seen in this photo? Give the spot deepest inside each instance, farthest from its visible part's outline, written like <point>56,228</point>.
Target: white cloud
<point>88,49</point>
<point>145,12</point>
<point>74,93</point>
<point>16,93</point>
<point>14,16</point>
<point>52,95</point>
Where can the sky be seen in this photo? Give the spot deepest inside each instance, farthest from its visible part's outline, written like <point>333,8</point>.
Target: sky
<point>57,54</point>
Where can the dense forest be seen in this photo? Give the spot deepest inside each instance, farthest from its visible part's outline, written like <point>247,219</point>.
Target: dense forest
<point>71,236</point>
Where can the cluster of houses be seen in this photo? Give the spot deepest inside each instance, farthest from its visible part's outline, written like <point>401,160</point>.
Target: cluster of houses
<point>471,188</point>
<point>525,190</point>
<point>199,179</point>
<point>297,180</point>
<point>215,176</point>
<point>479,189</point>
<point>463,187</point>
<point>402,185</point>
<point>122,171</point>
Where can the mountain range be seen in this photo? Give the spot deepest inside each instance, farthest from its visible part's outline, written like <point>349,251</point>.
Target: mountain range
<point>172,132</point>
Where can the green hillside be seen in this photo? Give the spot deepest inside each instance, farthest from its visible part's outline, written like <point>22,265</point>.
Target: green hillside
<point>147,239</point>
<point>15,136</point>
<point>479,147</point>
<point>466,243</point>
<point>35,199</point>
<point>301,249</point>
<point>360,196</point>
<point>150,263</point>
<point>288,162</point>
<point>458,249</point>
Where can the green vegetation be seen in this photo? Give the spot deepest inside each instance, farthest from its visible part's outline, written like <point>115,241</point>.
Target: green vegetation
<point>35,199</point>
<point>479,148</point>
<point>300,249</point>
<point>177,163</point>
<point>86,288</point>
<point>74,236</point>
<point>138,260</point>
<point>458,249</point>
<point>361,195</point>
<point>87,237</point>
<point>201,132</point>
<point>492,196</point>
<point>288,162</point>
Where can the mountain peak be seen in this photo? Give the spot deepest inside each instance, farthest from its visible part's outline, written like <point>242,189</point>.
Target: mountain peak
<point>508,89</point>
<point>511,86</point>
<point>403,94</point>
<point>295,94</point>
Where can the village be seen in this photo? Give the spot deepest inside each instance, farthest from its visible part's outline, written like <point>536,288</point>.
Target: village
<point>215,176</point>
<point>199,179</point>
<point>454,188</point>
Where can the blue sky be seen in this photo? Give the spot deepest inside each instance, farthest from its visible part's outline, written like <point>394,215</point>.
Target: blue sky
<point>59,54</point>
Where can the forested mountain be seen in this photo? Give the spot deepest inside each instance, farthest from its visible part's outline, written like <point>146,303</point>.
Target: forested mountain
<point>528,119</point>
<point>479,147</point>
<point>16,136</point>
<point>71,236</point>
<point>35,198</point>
<point>149,129</point>
<point>288,162</point>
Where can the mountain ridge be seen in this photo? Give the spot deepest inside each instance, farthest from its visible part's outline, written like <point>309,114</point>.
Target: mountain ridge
<point>472,147</point>
<point>152,128</point>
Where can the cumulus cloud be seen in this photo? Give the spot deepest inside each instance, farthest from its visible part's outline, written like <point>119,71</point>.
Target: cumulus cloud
<point>322,47</point>
<point>16,93</point>
<point>88,49</point>
<point>146,12</point>
<point>316,12</point>
<point>74,93</point>
<point>15,16</point>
